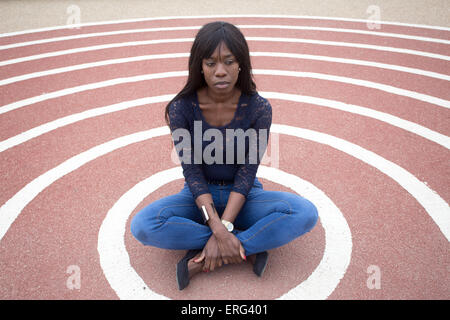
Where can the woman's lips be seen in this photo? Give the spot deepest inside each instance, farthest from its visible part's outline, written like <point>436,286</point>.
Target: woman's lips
<point>222,85</point>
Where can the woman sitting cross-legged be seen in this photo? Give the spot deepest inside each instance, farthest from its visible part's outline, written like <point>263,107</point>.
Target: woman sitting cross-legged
<point>222,214</point>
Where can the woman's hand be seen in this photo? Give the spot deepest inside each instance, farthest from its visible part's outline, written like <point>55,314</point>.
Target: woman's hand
<point>211,255</point>
<point>221,248</point>
<point>230,248</point>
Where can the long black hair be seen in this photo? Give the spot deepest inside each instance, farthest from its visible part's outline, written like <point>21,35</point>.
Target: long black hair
<point>206,41</point>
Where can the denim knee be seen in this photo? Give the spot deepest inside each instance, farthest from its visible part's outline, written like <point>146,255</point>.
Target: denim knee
<point>137,230</point>
<point>142,225</point>
<point>304,215</point>
<point>309,214</point>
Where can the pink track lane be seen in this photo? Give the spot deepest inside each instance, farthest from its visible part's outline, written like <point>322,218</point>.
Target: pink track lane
<point>285,33</point>
<point>306,34</point>
<point>406,108</point>
<point>401,59</point>
<point>419,154</point>
<point>65,233</point>
<point>24,89</point>
<point>415,31</point>
<point>25,118</point>
<point>59,236</point>
<point>389,228</point>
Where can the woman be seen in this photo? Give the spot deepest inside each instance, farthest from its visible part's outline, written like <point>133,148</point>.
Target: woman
<point>222,215</point>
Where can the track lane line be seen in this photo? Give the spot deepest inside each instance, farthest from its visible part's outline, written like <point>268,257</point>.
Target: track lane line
<point>433,204</point>
<point>109,62</point>
<point>242,26</point>
<point>111,82</point>
<point>260,39</point>
<point>406,125</point>
<point>112,22</point>
<point>115,261</point>
<point>358,82</point>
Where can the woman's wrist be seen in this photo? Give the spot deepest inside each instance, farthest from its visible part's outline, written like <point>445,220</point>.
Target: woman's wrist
<point>217,227</point>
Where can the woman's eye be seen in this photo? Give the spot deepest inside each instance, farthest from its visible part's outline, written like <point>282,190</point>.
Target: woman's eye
<point>211,64</point>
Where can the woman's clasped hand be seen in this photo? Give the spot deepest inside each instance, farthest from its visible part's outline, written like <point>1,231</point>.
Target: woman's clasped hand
<point>222,248</point>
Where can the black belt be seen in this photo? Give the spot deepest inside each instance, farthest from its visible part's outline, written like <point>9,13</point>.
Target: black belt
<point>220,182</point>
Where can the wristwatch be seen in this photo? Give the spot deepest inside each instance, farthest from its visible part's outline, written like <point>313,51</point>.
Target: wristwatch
<point>228,225</point>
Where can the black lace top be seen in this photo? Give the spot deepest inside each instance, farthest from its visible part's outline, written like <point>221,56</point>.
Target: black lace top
<point>201,165</point>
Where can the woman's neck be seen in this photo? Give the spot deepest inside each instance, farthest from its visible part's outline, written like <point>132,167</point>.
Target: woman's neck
<point>221,97</point>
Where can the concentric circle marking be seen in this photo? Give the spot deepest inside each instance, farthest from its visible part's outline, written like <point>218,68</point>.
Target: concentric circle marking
<point>112,22</point>
<point>112,62</point>
<point>127,284</point>
<point>112,82</point>
<point>412,127</point>
<point>261,39</point>
<point>434,205</point>
<point>438,210</point>
<point>240,26</point>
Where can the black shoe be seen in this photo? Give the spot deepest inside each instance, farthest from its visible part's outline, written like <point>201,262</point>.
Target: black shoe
<point>260,263</point>
<point>182,269</point>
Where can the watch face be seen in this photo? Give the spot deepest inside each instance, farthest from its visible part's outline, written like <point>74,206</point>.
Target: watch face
<point>228,225</point>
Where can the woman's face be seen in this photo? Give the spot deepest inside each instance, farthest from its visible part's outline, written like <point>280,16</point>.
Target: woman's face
<point>221,70</point>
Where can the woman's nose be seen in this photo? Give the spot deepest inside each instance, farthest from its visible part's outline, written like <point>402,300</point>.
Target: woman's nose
<point>220,70</point>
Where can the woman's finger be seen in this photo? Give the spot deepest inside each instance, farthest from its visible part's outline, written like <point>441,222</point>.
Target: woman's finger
<point>242,252</point>
<point>201,258</point>
<point>213,264</point>
<point>207,264</point>
<point>219,262</point>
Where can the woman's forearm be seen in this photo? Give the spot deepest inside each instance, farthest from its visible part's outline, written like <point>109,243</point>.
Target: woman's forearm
<point>214,221</point>
<point>230,247</point>
<point>235,203</point>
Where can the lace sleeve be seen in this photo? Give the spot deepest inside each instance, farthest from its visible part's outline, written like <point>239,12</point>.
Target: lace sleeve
<point>193,173</point>
<point>246,173</point>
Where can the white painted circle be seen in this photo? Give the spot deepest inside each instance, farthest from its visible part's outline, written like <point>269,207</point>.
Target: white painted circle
<point>127,284</point>
<point>434,205</point>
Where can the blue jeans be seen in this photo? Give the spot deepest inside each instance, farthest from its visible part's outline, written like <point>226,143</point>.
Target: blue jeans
<point>267,220</point>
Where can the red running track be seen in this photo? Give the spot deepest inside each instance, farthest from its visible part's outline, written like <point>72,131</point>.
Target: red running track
<point>390,229</point>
